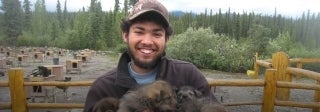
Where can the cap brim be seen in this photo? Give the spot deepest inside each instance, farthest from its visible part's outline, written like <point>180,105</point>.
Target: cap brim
<point>132,17</point>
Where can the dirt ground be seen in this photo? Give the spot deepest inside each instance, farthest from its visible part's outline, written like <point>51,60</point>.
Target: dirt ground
<point>103,62</point>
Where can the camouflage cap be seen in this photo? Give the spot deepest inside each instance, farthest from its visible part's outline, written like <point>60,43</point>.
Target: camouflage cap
<point>144,6</point>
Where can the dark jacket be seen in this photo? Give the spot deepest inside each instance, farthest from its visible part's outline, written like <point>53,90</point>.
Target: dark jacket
<point>117,82</point>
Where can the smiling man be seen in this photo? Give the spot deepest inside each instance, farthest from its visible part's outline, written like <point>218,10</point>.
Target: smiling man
<point>146,31</point>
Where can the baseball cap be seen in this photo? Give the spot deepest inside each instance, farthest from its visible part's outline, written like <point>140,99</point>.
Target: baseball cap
<point>146,6</point>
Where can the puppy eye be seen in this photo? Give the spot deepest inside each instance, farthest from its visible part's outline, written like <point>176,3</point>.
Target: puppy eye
<point>191,93</point>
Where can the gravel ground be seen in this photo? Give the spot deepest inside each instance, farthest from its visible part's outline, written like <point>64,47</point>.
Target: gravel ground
<point>102,63</point>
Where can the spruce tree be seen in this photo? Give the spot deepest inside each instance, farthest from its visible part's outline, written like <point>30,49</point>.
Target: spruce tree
<point>12,23</point>
<point>27,14</point>
<point>59,16</point>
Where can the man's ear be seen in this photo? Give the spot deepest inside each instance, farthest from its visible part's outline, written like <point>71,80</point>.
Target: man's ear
<point>124,36</point>
<point>167,39</point>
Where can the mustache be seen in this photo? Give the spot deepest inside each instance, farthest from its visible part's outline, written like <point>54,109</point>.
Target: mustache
<point>147,46</point>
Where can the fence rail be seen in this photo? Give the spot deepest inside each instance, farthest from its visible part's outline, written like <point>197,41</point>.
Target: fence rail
<point>237,82</point>
<point>54,105</point>
<point>57,83</point>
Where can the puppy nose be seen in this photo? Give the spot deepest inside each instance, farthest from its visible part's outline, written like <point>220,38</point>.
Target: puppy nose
<point>184,96</point>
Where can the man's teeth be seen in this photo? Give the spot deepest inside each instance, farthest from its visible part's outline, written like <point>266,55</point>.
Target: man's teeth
<point>146,51</point>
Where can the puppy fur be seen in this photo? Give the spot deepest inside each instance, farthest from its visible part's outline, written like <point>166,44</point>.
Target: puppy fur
<point>108,104</point>
<point>191,100</point>
<point>155,97</point>
<point>186,93</point>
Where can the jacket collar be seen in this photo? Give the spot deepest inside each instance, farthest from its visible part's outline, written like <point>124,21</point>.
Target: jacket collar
<point>123,78</point>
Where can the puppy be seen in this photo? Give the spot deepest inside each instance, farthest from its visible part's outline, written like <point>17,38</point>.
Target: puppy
<point>191,100</point>
<point>187,93</point>
<point>64,88</point>
<point>108,104</point>
<point>1,73</point>
<point>213,107</point>
<point>155,97</point>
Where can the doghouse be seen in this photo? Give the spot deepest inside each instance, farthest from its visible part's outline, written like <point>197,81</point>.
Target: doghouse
<point>56,70</point>
<point>22,59</point>
<point>36,50</point>
<point>83,57</point>
<point>73,65</point>
<point>10,54</point>
<point>2,63</point>
<point>38,56</point>
<point>88,54</point>
<point>49,53</point>
<point>24,51</point>
<point>44,92</point>
<point>2,50</point>
<point>61,53</point>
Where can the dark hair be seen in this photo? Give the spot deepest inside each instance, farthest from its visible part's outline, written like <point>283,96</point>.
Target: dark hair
<point>150,16</point>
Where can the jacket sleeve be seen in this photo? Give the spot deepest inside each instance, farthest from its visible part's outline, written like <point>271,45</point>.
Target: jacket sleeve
<point>94,95</point>
<point>103,87</point>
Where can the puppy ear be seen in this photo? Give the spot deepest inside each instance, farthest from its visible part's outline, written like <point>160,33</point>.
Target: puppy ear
<point>197,93</point>
<point>175,89</point>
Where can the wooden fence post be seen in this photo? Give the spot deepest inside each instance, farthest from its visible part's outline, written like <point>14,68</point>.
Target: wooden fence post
<point>299,65</point>
<point>17,92</point>
<point>269,93</point>
<point>280,62</point>
<point>256,66</point>
<point>316,98</point>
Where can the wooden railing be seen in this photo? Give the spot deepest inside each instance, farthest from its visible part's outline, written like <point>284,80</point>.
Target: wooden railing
<point>272,83</point>
<point>18,95</point>
<point>284,73</point>
<point>267,63</point>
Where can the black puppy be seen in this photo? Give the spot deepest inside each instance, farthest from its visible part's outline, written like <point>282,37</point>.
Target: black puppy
<point>1,73</point>
<point>191,100</point>
<point>64,88</point>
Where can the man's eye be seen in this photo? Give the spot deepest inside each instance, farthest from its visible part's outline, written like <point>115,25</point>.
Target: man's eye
<point>158,34</point>
<point>138,32</point>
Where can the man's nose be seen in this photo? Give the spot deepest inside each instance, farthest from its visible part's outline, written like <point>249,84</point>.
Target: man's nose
<point>147,39</point>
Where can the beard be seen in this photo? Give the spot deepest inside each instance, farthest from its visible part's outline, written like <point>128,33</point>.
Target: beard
<point>142,64</point>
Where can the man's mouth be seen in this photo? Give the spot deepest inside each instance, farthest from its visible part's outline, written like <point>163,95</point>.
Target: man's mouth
<point>146,51</point>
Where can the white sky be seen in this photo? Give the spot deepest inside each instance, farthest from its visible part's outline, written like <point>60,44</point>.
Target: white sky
<point>285,7</point>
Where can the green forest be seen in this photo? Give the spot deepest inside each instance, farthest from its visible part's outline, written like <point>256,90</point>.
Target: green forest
<point>218,40</point>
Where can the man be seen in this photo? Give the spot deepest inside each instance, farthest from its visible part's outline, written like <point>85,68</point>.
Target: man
<point>146,31</point>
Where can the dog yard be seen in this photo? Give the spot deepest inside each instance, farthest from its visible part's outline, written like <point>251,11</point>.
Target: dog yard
<point>97,64</point>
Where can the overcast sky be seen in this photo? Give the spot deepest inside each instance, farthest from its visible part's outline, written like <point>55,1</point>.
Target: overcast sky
<point>285,7</point>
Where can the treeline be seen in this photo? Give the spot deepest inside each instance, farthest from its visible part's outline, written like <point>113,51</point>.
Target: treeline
<point>95,29</point>
<point>304,28</point>
<point>89,27</point>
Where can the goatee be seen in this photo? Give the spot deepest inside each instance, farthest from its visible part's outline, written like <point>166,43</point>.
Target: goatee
<point>145,65</point>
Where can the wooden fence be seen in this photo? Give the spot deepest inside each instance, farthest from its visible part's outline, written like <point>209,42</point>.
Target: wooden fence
<point>284,74</point>
<point>276,84</point>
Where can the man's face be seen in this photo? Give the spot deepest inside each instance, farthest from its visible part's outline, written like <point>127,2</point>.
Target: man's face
<point>146,42</point>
